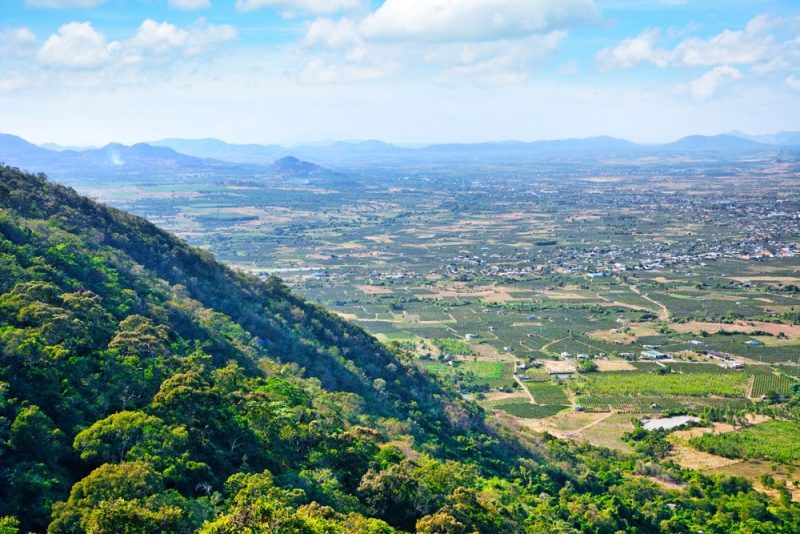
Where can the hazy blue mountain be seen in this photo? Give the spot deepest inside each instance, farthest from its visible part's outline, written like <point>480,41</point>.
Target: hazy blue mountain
<point>17,152</point>
<point>780,138</point>
<point>716,143</point>
<point>61,148</point>
<point>291,167</point>
<point>216,149</point>
<point>140,160</point>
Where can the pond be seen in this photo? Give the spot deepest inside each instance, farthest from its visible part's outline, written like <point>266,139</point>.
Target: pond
<point>668,423</point>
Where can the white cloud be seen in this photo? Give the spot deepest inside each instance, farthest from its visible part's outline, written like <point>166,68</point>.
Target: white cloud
<point>729,47</point>
<point>16,42</point>
<point>450,38</point>
<point>332,33</point>
<point>76,45</point>
<point>793,82</point>
<point>63,4</point>
<point>709,84</point>
<point>320,7</point>
<point>473,20</point>
<point>491,63</point>
<point>633,51</point>
<point>158,38</point>
<point>752,45</point>
<point>190,5</point>
<point>79,46</point>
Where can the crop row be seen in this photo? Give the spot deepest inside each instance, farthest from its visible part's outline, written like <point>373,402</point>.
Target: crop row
<point>649,404</point>
<point>766,384</point>
<point>548,393</point>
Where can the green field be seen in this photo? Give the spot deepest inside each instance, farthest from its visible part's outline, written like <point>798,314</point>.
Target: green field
<point>637,383</point>
<point>526,410</point>
<point>492,374</point>
<point>777,441</point>
<point>657,403</point>
<point>764,384</point>
<point>545,393</point>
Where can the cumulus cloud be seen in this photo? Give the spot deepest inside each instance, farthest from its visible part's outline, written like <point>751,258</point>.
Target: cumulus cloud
<point>473,20</point>
<point>320,7</point>
<point>793,82</point>
<point>189,5</point>
<point>752,45</point>
<point>63,4</point>
<point>76,45</point>
<point>633,51</point>
<point>729,47</point>
<point>160,39</point>
<point>332,33</point>
<point>16,42</point>
<point>706,86</point>
<point>487,42</point>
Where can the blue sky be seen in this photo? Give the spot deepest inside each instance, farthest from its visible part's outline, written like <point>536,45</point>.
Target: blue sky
<point>405,71</point>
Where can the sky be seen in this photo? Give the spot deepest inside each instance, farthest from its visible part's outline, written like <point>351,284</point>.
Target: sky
<point>88,72</point>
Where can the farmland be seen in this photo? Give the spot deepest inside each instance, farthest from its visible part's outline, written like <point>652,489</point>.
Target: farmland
<point>777,441</point>
<point>527,410</point>
<point>695,384</point>
<point>474,269</point>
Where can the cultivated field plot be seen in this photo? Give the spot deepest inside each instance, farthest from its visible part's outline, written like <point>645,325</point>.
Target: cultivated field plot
<point>764,384</point>
<point>547,394</point>
<point>655,404</point>
<point>637,383</point>
<point>777,441</point>
<point>492,374</point>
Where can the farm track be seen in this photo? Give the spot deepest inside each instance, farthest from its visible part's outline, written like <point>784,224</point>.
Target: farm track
<point>593,423</point>
<point>553,342</point>
<point>526,390</point>
<point>663,312</point>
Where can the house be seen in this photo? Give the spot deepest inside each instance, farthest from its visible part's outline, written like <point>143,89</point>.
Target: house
<point>653,355</point>
<point>583,357</point>
<point>470,336</point>
<point>717,355</point>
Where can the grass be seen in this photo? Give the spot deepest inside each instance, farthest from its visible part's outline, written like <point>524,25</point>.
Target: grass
<point>662,403</point>
<point>636,383</point>
<point>495,374</point>
<point>777,441</point>
<point>453,346</point>
<point>526,410</point>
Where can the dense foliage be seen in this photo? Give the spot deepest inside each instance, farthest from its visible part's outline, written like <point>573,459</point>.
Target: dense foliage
<point>146,388</point>
<point>777,441</point>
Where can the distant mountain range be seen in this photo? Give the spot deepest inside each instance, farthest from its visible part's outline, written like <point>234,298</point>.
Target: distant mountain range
<point>370,153</point>
<point>190,159</point>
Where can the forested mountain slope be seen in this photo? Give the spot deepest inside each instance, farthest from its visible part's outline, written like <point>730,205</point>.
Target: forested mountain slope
<point>144,387</point>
